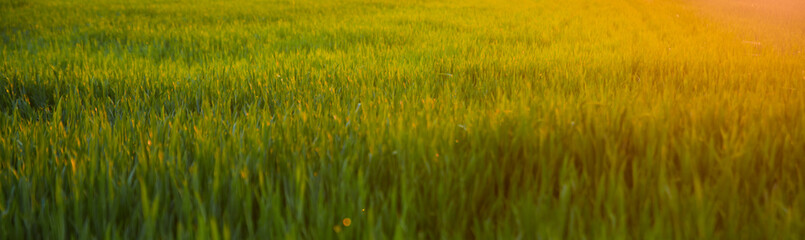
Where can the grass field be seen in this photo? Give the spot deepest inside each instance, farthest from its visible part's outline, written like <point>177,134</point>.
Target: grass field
<point>527,119</point>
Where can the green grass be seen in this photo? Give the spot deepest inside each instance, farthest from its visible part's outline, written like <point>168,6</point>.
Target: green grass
<point>530,119</point>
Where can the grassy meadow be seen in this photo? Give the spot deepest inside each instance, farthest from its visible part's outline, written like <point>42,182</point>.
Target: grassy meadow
<point>445,119</point>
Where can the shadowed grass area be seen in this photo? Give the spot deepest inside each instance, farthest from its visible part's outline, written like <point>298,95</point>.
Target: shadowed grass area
<point>413,119</point>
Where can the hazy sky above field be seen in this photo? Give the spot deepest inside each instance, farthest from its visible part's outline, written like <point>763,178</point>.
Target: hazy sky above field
<point>780,11</point>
